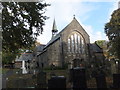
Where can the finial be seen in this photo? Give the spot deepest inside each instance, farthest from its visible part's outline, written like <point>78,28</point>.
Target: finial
<point>74,16</point>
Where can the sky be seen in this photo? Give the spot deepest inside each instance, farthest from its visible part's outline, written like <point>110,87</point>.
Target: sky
<point>91,14</point>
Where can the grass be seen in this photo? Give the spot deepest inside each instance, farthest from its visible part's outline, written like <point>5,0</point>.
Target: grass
<point>31,80</point>
<point>25,79</point>
<point>4,70</point>
<point>91,83</point>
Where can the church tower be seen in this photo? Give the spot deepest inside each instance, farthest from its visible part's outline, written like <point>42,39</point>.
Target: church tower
<point>54,29</point>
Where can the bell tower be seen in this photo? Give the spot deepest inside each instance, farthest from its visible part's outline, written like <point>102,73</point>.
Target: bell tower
<point>54,29</point>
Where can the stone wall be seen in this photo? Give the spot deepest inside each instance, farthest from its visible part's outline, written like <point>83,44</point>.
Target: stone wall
<point>73,27</point>
<point>51,55</point>
<point>57,52</point>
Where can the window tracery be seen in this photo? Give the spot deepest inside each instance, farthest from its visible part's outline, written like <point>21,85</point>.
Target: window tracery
<point>76,43</point>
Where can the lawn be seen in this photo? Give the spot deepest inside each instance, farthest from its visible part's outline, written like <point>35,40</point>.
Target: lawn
<point>21,81</point>
<point>30,80</point>
<point>4,70</point>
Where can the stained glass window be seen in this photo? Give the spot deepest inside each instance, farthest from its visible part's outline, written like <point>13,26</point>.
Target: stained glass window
<point>76,43</point>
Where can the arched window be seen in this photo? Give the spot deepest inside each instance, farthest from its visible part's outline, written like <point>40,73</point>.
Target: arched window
<point>72,44</point>
<point>82,46</point>
<point>69,45</point>
<point>76,43</point>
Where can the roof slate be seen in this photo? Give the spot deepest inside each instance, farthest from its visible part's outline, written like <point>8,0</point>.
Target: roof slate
<point>95,48</point>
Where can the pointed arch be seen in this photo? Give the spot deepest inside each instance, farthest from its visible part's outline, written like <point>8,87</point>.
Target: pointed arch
<point>76,43</point>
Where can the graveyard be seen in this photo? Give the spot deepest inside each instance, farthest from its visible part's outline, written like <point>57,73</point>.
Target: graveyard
<point>74,57</point>
<point>57,79</point>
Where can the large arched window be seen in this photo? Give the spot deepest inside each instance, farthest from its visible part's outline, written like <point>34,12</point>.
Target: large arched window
<point>76,43</point>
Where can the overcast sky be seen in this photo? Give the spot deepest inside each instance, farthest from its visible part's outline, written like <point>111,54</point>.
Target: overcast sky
<point>91,14</point>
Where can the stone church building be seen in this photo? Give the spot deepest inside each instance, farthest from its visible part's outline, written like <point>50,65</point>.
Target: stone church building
<point>70,46</point>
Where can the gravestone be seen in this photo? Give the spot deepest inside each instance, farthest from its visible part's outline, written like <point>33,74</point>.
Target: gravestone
<point>41,79</point>
<point>116,80</point>
<point>57,82</point>
<point>71,75</point>
<point>101,80</point>
<point>20,83</point>
<point>24,70</point>
<point>78,77</point>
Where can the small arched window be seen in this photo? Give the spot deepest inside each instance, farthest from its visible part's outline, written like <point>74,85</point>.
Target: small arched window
<point>76,43</point>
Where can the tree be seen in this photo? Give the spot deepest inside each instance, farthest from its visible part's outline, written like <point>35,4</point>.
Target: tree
<point>104,45</point>
<point>112,30</point>
<point>101,43</point>
<point>21,24</point>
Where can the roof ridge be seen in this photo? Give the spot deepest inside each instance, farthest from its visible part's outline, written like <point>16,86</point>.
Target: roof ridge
<point>57,35</point>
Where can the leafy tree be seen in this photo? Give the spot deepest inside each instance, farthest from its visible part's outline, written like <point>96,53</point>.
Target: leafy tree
<point>21,24</point>
<point>112,30</point>
<point>104,45</point>
<point>8,58</point>
<point>101,43</point>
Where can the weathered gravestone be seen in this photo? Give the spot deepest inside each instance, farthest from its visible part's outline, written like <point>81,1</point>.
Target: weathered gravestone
<point>57,82</point>
<point>101,80</point>
<point>41,80</point>
<point>116,80</point>
<point>78,77</point>
<point>20,83</point>
<point>71,75</point>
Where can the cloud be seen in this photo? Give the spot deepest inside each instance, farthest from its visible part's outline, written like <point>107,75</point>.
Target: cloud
<point>63,11</point>
<point>63,14</point>
<point>94,35</point>
<point>46,36</point>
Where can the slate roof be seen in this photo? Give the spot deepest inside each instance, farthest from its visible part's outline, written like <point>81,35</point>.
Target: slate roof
<point>25,57</point>
<point>95,48</point>
<point>52,40</point>
<point>40,47</point>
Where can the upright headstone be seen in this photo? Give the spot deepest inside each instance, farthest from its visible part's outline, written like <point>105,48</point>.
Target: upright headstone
<point>24,71</point>
<point>71,75</point>
<point>41,79</point>
<point>57,82</point>
<point>116,80</point>
<point>79,78</point>
<point>20,83</point>
<point>101,81</point>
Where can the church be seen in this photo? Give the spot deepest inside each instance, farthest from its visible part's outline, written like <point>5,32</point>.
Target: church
<point>71,46</point>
